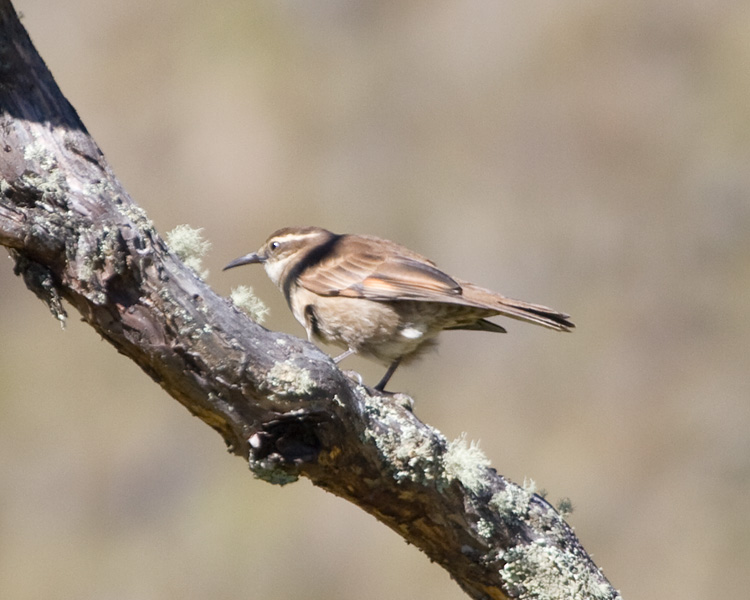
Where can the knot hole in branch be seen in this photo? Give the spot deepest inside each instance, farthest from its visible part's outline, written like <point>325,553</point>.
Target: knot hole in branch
<point>283,445</point>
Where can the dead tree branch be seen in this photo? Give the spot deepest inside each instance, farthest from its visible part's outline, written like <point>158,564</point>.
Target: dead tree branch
<point>279,402</point>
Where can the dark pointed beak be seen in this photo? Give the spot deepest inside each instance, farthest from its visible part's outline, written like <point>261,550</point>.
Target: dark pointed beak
<point>248,259</point>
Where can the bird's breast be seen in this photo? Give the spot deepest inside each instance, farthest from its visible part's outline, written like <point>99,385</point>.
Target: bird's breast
<point>382,330</point>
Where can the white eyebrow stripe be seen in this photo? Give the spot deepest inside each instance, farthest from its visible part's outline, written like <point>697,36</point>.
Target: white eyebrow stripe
<point>294,236</point>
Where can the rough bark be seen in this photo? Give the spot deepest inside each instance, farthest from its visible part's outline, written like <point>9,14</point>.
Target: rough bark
<point>279,402</point>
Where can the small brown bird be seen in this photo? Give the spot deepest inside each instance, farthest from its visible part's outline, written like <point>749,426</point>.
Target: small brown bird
<point>377,298</point>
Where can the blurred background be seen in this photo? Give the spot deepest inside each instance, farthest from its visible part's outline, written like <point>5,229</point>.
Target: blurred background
<point>588,156</point>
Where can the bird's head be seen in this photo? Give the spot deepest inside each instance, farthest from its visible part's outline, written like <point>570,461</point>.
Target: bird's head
<point>284,250</point>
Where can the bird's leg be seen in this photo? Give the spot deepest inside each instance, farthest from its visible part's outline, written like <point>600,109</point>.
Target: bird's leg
<point>342,356</point>
<point>350,374</point>
<point>391,370</point>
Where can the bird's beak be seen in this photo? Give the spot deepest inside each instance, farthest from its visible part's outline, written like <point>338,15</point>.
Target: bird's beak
<point>248,259</point>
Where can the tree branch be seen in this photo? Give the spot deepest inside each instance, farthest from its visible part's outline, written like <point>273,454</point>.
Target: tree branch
<point>278,401</point>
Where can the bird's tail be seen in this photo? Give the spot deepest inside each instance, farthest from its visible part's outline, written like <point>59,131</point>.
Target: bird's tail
<point>518,309</point>
<point>535,313</point>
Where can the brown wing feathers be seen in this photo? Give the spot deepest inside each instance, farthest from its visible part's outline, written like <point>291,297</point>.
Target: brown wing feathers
<point>358,267</point>
<point>365,267</point>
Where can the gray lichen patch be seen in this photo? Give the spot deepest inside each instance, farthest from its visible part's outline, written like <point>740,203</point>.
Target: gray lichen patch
<point>513,502</point>
<point>545,572</point>
<point>410,452</point>
<point>182,318</point>
<point>40,281</point>
<point>86,265</point>
<point>268,470</point>
<point>288,379</point>
<point>39,153</point>
<point>49,191</point>
<point>485,528</point>
<point>98,256</point>
<point>99,189</point>
<point>516,504</point>
<point>137,216</point>
<point>565,507</point>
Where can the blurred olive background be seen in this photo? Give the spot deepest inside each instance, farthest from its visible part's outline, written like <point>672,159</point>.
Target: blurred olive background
<point>592,157</point>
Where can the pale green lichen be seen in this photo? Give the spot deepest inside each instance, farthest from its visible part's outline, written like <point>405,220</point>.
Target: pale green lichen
<point>184,318</point>
<point>465,462</point>
<point>39,280</point>
<point>97,250</point>
<point>40,154</point>
<point>290,380</point>
<point>50,191</point>
<point>409,453</point>
<point>140,219</point>
<point>540,517</point>
<point>267,470</point>
<point>188,244</point>
<point>541,571</point>
<point>565,507</point>
<point>86,262</point>
<point>243,298</point>
<point>512,502</point>
<point>485,528</point>
<point>99,188</point>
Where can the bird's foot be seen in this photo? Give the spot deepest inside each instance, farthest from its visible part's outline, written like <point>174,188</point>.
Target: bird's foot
<point>354,376</point>
<point>403,399</point>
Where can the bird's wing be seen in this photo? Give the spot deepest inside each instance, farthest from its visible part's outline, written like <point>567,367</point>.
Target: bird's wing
<point>361,267</point>
<point>365,267</point>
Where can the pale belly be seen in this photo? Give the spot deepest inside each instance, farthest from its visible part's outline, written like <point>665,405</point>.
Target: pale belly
<point>375,329</point>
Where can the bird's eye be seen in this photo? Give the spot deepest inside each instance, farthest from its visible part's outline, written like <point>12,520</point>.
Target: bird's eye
<point>274,246</point>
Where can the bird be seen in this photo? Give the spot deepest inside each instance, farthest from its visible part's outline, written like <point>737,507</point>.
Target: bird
<point>378,299</point>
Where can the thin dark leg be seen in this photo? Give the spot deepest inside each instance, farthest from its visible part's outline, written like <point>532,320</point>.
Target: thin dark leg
<point>391,370</point>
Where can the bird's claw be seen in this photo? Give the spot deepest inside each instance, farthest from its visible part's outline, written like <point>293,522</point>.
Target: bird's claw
<point>354,376</point>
